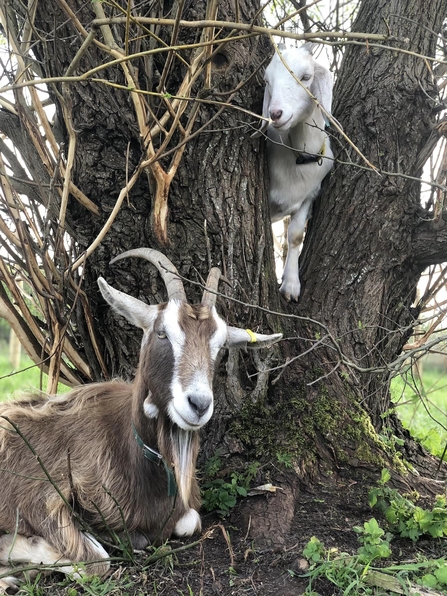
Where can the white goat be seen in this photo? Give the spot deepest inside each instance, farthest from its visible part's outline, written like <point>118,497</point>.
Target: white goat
<point>116,456</point>
<point>298,150</point>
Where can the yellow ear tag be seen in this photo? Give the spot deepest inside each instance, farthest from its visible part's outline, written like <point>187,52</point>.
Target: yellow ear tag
<point>252,335</point>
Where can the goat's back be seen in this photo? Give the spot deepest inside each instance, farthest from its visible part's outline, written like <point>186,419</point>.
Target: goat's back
<point>67,443</point>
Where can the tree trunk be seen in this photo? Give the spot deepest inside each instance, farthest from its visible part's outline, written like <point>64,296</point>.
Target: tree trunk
<point>361,259</point>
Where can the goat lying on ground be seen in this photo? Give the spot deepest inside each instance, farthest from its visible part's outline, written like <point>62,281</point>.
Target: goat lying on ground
<point>298,150</point>
<point>116,456</point>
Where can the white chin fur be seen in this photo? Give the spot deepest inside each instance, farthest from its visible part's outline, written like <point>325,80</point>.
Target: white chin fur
<point>188,524</point>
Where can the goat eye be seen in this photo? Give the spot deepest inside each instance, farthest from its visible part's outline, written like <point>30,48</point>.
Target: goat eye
<point>161,335</point>
<point>305,77</point>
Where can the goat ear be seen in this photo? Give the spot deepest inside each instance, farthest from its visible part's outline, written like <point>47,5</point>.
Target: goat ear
<point>242,338</point>
<point>322,87</point>
<point>136,312</point>
<point>310,47</point>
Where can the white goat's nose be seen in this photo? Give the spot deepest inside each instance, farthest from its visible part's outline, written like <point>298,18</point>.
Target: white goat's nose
<point>199,404</point>
<point>275,115</point>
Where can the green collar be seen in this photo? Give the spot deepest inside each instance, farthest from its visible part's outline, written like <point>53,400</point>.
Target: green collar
<point>157,458</point>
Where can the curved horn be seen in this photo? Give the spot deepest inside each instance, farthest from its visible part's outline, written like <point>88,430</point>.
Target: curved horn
<point>166,269</point>
<point>212,283</point>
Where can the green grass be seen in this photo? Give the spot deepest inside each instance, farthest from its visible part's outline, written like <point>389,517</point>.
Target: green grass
<point>422,408</point>
<point>28,376</point>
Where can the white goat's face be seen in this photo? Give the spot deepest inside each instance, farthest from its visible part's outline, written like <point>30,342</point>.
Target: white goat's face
<point>286,102</point>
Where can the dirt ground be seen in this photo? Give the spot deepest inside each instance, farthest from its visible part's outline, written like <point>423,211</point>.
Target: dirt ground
<point>228,562</point>
<point>225,561</point>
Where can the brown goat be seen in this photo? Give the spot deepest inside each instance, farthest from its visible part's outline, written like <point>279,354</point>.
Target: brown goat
<point>115,456</point>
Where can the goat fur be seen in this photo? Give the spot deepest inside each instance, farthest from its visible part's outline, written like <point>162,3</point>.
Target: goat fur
<point>70,465</point>
<point>296,129</point>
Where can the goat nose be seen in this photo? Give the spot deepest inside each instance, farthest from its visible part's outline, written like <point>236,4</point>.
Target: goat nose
<point>199,404</point>
<point>275,115</point>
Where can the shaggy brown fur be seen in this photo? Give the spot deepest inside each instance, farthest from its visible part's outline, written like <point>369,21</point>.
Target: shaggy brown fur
<point>70,464</point>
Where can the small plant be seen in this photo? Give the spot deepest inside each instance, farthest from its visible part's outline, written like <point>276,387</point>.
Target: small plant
<point>221,494</point>
<point>354,575</point>
<point>284,459</point>
<point>435,576</point>
<point>375,542</point>
<point>314,551</point>
<point>404,517</point>
<point>341,569</point>
<point>31,587</point>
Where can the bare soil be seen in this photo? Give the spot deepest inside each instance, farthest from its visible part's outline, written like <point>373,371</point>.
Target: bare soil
<point>226,560</point>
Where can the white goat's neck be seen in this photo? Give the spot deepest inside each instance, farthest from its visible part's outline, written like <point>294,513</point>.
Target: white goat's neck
<point>309,136</point>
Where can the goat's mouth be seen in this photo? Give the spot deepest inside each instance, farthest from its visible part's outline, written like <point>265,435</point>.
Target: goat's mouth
<point>183,422</point>
<point>281,125</point>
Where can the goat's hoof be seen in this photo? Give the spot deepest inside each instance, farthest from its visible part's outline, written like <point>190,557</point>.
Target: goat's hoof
<point>188,524</point>
<point>291,292</point>
<point>9,585</point>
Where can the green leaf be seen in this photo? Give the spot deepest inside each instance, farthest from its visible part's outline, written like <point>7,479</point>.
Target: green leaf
<point>372,497</point>
<point>385,476</point>
<point>429,580</point>
<point>372,527</point>
<point>441,574</point>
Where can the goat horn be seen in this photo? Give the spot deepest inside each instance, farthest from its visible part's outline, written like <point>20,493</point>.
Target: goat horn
<point>212,283</point>
<point>166,269</point>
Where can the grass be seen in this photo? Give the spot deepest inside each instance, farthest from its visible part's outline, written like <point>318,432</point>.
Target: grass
<point>28,376</point>
<point>422,408</point>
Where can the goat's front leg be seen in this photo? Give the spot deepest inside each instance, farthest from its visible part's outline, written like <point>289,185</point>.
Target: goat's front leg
<point>291,287</point>
<point>15,548</point>
<point>188,524</point>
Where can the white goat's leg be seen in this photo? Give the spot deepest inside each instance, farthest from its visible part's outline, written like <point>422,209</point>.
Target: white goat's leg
<point>188,524</point>
<point>36,550</point>
<point>9,584</point>
<point>291,287</point>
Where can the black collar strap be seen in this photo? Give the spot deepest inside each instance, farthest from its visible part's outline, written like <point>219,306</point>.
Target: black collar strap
<point>157,458</point>
<point>304,158</point>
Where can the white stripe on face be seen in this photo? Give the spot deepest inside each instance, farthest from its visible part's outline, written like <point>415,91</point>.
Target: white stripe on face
<point>191,406</point>
<point>172,329</point>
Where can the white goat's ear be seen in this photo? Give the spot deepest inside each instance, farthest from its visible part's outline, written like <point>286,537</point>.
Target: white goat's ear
<point>322,87</point>
<point>310,46</point>
<point>136,312</point>
<point>244,338</point>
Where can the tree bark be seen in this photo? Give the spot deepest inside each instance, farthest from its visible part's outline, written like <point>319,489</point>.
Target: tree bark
<point>362,257</point>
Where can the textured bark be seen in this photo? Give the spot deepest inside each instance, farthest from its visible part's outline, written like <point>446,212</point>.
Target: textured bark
<point>217,201</point>
<point>360,268</point>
